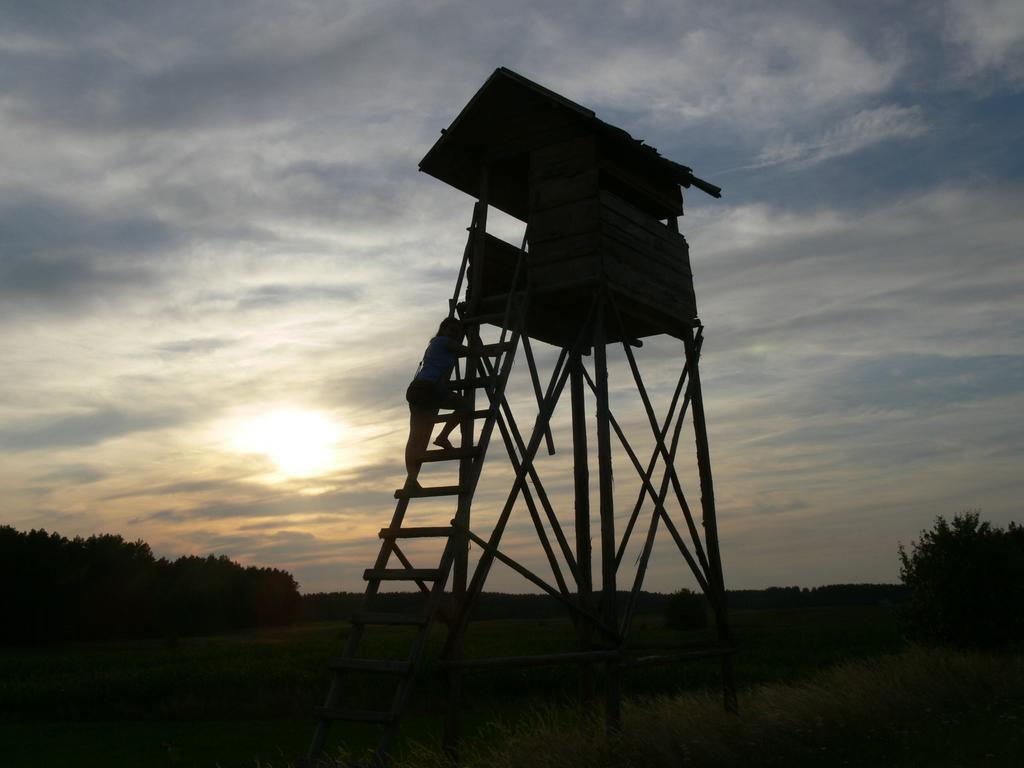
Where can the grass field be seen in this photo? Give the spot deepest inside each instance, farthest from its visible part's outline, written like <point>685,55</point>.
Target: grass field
<point>245,699</point>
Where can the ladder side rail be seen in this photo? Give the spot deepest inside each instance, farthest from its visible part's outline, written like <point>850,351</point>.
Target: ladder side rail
<point>355,635</point>
<point>488,426</point>
<point>407,683</point>
<point>473,225</point>
<point>469,477</point>
<point>476,278</point>
<point>486,560</point>
<point>511,301</point>
<point>469,470</point>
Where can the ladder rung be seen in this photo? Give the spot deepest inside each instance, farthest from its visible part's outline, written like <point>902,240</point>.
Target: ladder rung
<point>421,532</point>
<point>402,574</point>
<point>491,317</point>
<point>421,493</point>
<point>392,619</point>
<point>388,666</point>
<point>445,416</point>
<point>354,715</point>
<point>490,350</point>
<point>446,454</point>
<point>473,383</point>
<point>671,658</point>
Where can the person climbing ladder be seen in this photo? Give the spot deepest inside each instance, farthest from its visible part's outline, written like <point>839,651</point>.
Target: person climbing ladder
<point>428,393</point>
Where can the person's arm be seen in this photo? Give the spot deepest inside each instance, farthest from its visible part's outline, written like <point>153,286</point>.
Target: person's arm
<point>459,350</point>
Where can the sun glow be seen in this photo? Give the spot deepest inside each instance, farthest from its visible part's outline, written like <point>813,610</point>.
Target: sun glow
<point>300,443</point>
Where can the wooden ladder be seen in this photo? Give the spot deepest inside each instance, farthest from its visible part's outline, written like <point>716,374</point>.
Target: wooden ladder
<point>431,581</point>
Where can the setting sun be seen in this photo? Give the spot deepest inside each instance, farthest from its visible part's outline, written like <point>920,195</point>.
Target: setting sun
<point>300,443</point>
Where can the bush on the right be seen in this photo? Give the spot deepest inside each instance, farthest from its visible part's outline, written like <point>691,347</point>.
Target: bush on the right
<point>686,609</point>
<point>966,583</point>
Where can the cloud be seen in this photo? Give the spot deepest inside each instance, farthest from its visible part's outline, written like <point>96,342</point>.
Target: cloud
<point>864,129</point>
<point>276,296</point>
<point>212,211</point>
<point>275,505</point>
<point>750,69</point>
<point>77,430</point>
<point>992,32</point>
<point>198,346</point>
<point>925,382</point>
<point>66,253</point>
<point>71,473</point>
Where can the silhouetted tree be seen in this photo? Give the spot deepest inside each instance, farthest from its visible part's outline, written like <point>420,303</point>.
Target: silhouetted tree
<point>55,589</point>
<point>686,609</point>
<point>966,582</point>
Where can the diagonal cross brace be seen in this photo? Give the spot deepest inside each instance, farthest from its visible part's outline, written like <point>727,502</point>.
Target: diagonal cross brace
<point>660,444</point>
<point>659,506</point>
<point>535,479</point>
<point>555,387</point>
<point>642,495</point>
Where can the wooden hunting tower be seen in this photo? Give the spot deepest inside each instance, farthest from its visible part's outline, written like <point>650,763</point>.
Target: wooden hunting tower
<point>602,262</point>
<point>594,199</point>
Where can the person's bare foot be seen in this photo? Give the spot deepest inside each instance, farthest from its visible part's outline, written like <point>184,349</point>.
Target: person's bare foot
<point>443,442</point>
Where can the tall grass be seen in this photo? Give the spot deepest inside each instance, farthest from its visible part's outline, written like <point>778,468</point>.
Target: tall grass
<point>864,710</point>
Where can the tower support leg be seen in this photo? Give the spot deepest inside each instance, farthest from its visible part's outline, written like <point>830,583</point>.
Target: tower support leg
<point>609,610</point>
<point>581,479</point>
<point>710,523</point>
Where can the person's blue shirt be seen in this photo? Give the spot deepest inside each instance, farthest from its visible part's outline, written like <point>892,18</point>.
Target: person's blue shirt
<point>438,361</point>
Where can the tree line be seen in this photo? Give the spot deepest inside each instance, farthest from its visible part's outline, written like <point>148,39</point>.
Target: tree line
<point>56,589</point>
<point>327,606</point>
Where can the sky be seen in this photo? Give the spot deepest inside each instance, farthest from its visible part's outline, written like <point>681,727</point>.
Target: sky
<point>219,265</point>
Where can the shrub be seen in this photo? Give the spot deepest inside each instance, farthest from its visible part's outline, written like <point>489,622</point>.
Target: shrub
<point>966,583</point>
<point>686,609</point>
<point>884,711</point>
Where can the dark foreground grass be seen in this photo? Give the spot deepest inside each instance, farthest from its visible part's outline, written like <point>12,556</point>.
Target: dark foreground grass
<point>918,708</point>
<point>237,701</point>
<point>282,673</point>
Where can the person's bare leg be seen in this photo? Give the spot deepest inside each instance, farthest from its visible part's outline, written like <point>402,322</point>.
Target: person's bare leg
<point>442,440</point>
<point>459,407</point>
<point>421,424</point>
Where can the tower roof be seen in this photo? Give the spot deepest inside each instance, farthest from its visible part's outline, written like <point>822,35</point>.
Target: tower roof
<point>508,118</point>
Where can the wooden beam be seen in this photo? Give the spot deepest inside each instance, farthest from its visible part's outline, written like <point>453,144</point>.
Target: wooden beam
<point>642,495</point>
<point>470,242</point>
<point>707,502</point>
<point>483,566</point>
<point>531,506</point>
<point>581,485</point>
<point>535,379</point>
<point>672,658</point>
<point>609,611</point>
<point>526,573</point>
<point>542,495</point>
<point>660,445</point>
<point>659,506</point>
<point>542,659</point>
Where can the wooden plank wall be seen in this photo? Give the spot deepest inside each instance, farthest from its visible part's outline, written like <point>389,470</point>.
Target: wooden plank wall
<point>580,230</point>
